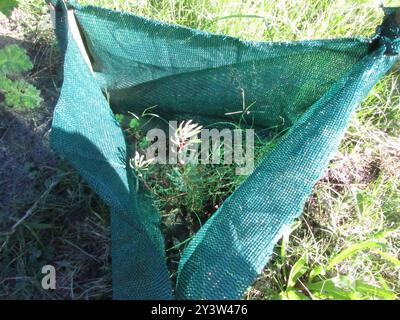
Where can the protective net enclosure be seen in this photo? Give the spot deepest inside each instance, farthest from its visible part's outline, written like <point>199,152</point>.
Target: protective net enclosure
<point>308,88</point>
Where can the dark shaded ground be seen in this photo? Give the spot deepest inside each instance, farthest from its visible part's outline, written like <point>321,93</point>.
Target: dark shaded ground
<point>48,214</point>
<point>25,157</point>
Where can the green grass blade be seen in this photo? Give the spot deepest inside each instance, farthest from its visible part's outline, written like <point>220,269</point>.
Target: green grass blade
<point>346,253</point>
<point>370,291</point>
<point>388,257</point>
<point>316,271</point>
<point>296,295</point>
<point>334,289</point>
<point>298,269</point>
<point>385,233</point>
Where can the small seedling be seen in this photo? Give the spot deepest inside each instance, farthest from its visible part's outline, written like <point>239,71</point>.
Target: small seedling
<point>120,118</point>
<point>18,93</point>
<point>134,124</point>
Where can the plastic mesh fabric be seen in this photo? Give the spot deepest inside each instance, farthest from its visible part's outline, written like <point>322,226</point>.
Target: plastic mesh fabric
<point>310,87</point>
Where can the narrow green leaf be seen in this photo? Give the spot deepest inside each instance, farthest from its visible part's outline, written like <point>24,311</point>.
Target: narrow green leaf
<point>384,233</point>
<point>296,295</point>
<point>316,271</point>
<point>281,296</point>
<point>334,289</point>
<point>341,287</point>
<point>388,257</point>
<point>346,253</point>
<point>369,291</point>
<point>298,269</point>
<point>383,282</point>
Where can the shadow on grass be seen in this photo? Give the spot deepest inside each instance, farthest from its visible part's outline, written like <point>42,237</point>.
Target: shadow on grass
<point>25,157</point>
<point>48,215</point>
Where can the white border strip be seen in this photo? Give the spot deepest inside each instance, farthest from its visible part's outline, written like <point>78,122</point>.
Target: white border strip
<point>73,28</point>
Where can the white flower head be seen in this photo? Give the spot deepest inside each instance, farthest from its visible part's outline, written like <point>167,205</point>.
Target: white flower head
<point>139,164</point>
<point>186,135</point>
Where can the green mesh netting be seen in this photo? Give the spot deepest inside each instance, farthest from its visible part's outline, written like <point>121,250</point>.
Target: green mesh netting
<point>311,86</point>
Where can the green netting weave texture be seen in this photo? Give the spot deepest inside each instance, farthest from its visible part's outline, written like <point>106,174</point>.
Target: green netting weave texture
<point>309,87</point>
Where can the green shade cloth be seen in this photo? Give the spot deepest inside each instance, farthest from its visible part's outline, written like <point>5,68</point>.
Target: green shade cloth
<point>311,88</point>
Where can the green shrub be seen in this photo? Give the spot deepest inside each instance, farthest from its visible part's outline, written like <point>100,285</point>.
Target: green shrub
<point>18,93</point>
